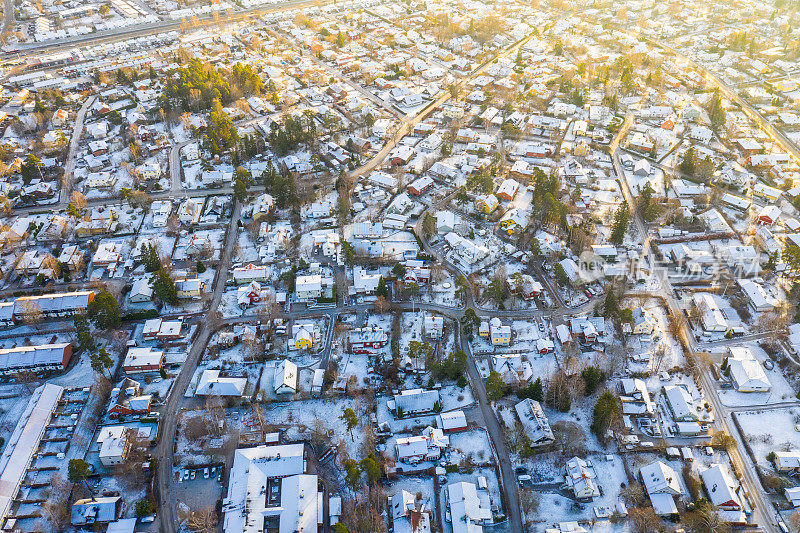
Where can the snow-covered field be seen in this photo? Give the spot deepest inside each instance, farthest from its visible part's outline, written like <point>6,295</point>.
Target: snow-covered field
<point>773,430</point>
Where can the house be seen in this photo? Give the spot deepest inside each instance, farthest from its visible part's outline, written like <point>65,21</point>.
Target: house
<point>305,335</point>
<point>217,383</point>
<point>643,322</point>
<point>769,215</point>
<point>745,371</point>
<point>452,421</point>
<point>426,447</point>
<point>681,404</point>
<point>141,291</point>
<point>367,339</point>
<point>313,286</point>
<point>499,333</point>
<point>720,488</point>
<point>189,287</point>
<point>127,399</point>
<point>56,305</point>
<point>269,490</point>
<point>411,402</point>
<point>470,508</point>
<point>534,422</point>
<point>160,329</point>
<point>100,180</point>
<point>524,286</point>
<point>588,329</point>
<point>95,510</point>
<point>487,203</point>
<point>249,294</point>
<point>787,462</point>
<point>285,380</point>
<point>758,299</point>
<point>365,282</point>
<point>662,485</point>
<point>139,360</point>
<point>115,444</point>
<point>507,190</point>
<point>465,250</point>
<point>249,273</point>
<point>433,326</point>
<point>635,398</point>
<point>189,211</point>
<point>514,220</point>
<point>420,185</point>
<point>37,358</point>
<point>23,443</point>
<point>149,171</point>
<point>580,478</point>
<point>406,517</point>
<point>711,316</point>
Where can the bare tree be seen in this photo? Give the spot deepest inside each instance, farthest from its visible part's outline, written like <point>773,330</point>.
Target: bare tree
<point>26,378</point>
<point>30,312</point>
<point>202,520</point>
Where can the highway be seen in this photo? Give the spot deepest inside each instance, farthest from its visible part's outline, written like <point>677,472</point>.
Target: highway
<point>161,26</point>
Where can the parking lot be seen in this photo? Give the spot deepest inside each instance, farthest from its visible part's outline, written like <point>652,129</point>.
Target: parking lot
<point>199,487</point>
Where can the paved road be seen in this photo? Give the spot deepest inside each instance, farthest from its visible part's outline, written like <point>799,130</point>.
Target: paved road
<point>162,26</point>
<point>164,452</point>
<point>175,166</point>
<point>8,15</point>
<point>69,165</point>
<point>507,479</point>
<point>763,513</point>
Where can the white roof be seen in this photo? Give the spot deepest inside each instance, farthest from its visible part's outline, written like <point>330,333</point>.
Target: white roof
<point>680,402</point>
<point>659,478</point>
<point>286,375</point>
<point>253,478</point>
<point>24,442</point>
<point>212,384</point>
<point>467,510</point>
<point>745,369</point>
<point>719,485</point>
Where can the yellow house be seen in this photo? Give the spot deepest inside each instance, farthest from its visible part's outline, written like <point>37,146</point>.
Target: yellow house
<point>514,220</point>
<point>303,339</point>
<point>500,334</point>
<point>188,288</point>
<point>487,203</point>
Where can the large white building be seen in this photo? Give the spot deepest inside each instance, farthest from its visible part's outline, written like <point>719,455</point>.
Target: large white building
<point>24,442</point>
<point>268,490</point>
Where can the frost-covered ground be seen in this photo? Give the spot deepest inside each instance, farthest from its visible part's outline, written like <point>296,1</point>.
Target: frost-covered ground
<point>773,430</point>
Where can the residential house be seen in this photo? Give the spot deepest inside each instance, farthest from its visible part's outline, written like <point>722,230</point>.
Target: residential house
<point>662,485</point>
<point>217,383</point>
<point>580,478</point>
<point>412,402</point>
<point>470,508</point>
<point>285,378</point>
<point>745,370</point>
<point>140,360</point>
<point>534,422</point>
<point>367,339</point>
<point>425,447</point>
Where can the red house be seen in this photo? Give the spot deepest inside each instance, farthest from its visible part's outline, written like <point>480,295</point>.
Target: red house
<point>367,340</point>
<point>769,215</point>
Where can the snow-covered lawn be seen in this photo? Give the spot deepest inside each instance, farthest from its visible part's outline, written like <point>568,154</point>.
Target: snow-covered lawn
<point>773,430</point>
